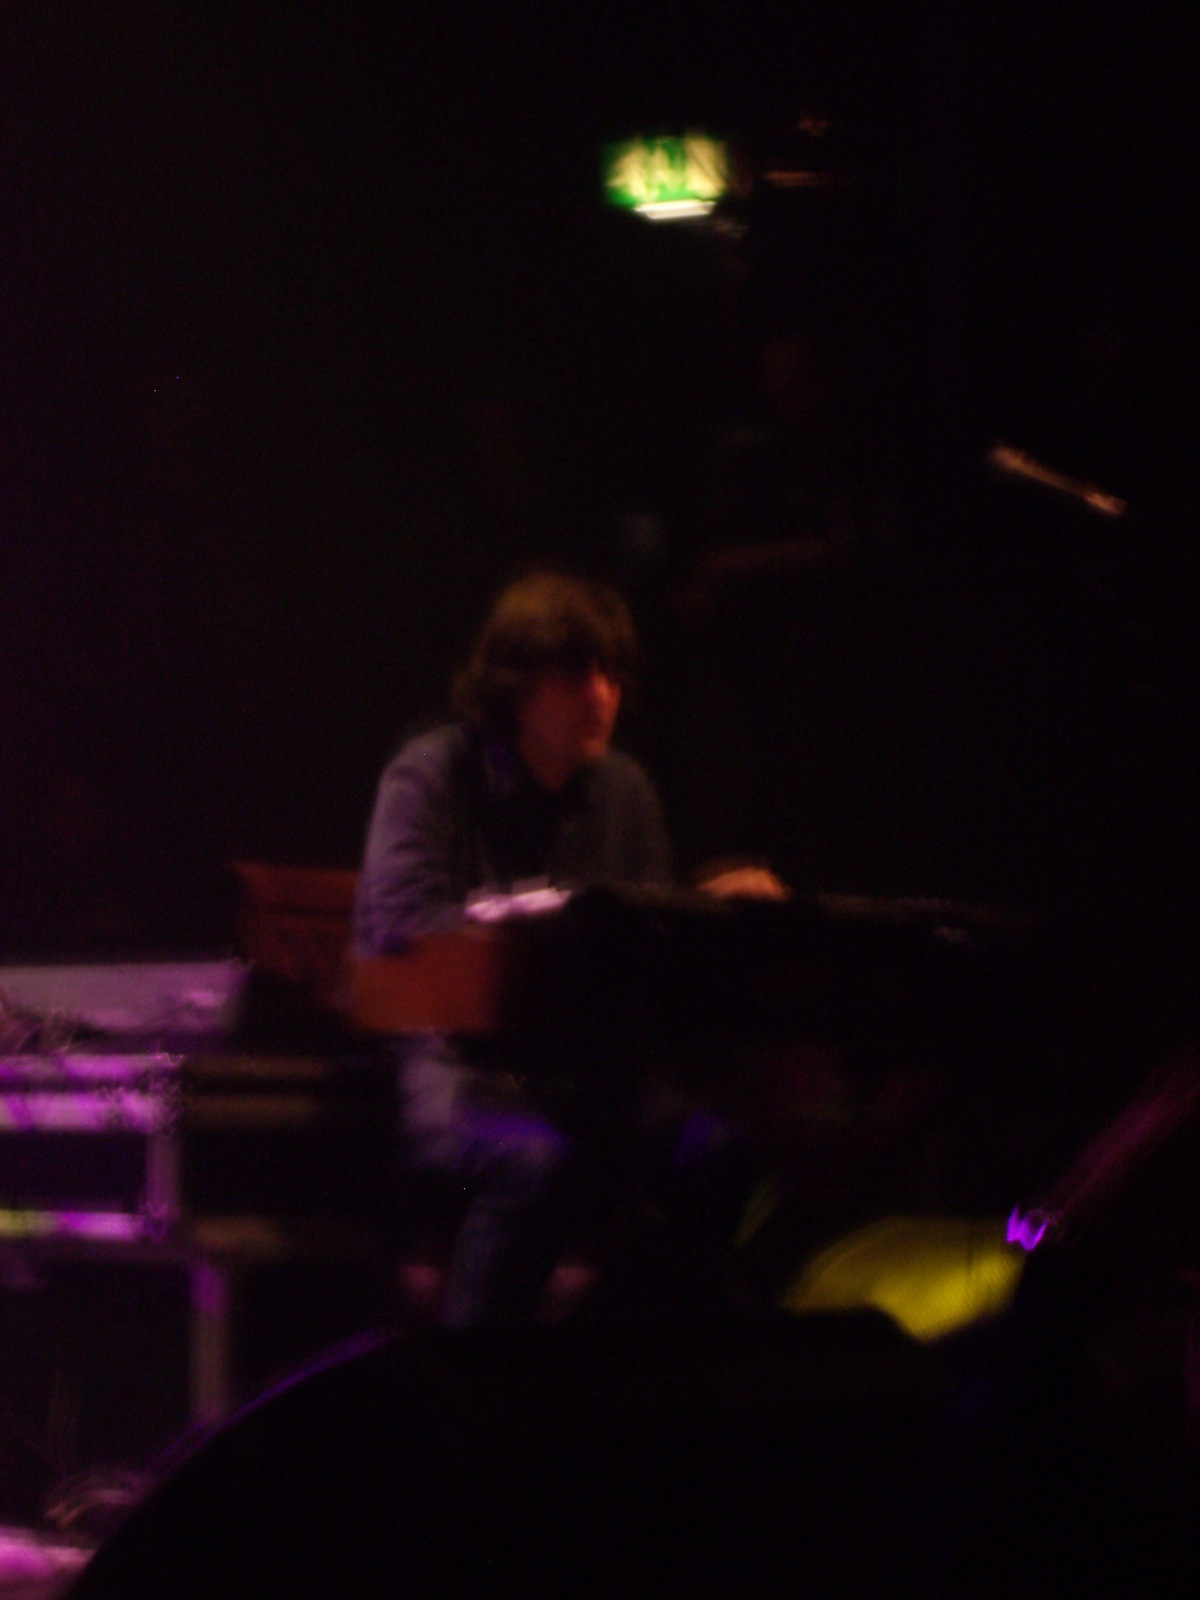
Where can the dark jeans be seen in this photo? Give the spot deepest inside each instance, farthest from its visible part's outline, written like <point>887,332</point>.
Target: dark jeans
<point>517,1173</point>
<point>531,1176</point>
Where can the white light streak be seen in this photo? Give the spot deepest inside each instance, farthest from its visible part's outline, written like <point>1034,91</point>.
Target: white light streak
<point>674,210</point>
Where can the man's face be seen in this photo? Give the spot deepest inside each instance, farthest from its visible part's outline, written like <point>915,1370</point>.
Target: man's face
<point>565,723</point>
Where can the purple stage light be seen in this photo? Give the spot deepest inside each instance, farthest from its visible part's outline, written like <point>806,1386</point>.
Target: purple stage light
<point>1027,1230</point>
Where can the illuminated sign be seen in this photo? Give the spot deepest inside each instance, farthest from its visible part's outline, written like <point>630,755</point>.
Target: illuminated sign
<point>666,178</point>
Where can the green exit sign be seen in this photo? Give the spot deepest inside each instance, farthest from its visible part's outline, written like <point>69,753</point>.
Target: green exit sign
<point>665,178</point>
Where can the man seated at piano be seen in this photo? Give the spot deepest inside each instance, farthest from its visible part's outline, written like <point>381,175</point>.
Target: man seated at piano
<point>503,811</point>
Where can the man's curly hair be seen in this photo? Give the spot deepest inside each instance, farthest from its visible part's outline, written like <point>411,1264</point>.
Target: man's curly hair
<point>544,622</point>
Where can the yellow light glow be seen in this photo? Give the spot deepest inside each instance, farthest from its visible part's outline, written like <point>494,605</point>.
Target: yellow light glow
<point>653,172</point>
<point>931,1275</point>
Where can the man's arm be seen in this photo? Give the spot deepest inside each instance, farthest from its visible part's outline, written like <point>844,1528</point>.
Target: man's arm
<point>412,876</point>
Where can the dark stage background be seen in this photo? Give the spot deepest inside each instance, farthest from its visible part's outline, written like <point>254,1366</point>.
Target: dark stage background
<point>315,328</point>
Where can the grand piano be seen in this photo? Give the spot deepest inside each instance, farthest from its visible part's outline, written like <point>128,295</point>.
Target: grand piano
<point>671,962</point>
<point>841,1032</point>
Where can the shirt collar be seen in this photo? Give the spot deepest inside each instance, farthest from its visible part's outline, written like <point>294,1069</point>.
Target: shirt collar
<point>508,778</point>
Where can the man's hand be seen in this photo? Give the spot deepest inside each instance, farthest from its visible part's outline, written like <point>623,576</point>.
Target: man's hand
<point>744,883</point>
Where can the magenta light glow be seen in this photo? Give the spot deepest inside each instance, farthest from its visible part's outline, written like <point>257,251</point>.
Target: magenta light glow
<point>1027,1230</point>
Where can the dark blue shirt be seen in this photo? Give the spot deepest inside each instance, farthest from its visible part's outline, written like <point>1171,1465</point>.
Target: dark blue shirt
<point>457,813</point>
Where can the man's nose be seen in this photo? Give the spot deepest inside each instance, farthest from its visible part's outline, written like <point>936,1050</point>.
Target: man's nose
<point>598,686</point>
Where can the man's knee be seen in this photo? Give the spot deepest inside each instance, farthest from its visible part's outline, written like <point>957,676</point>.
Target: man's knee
<point>525,1155</point>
